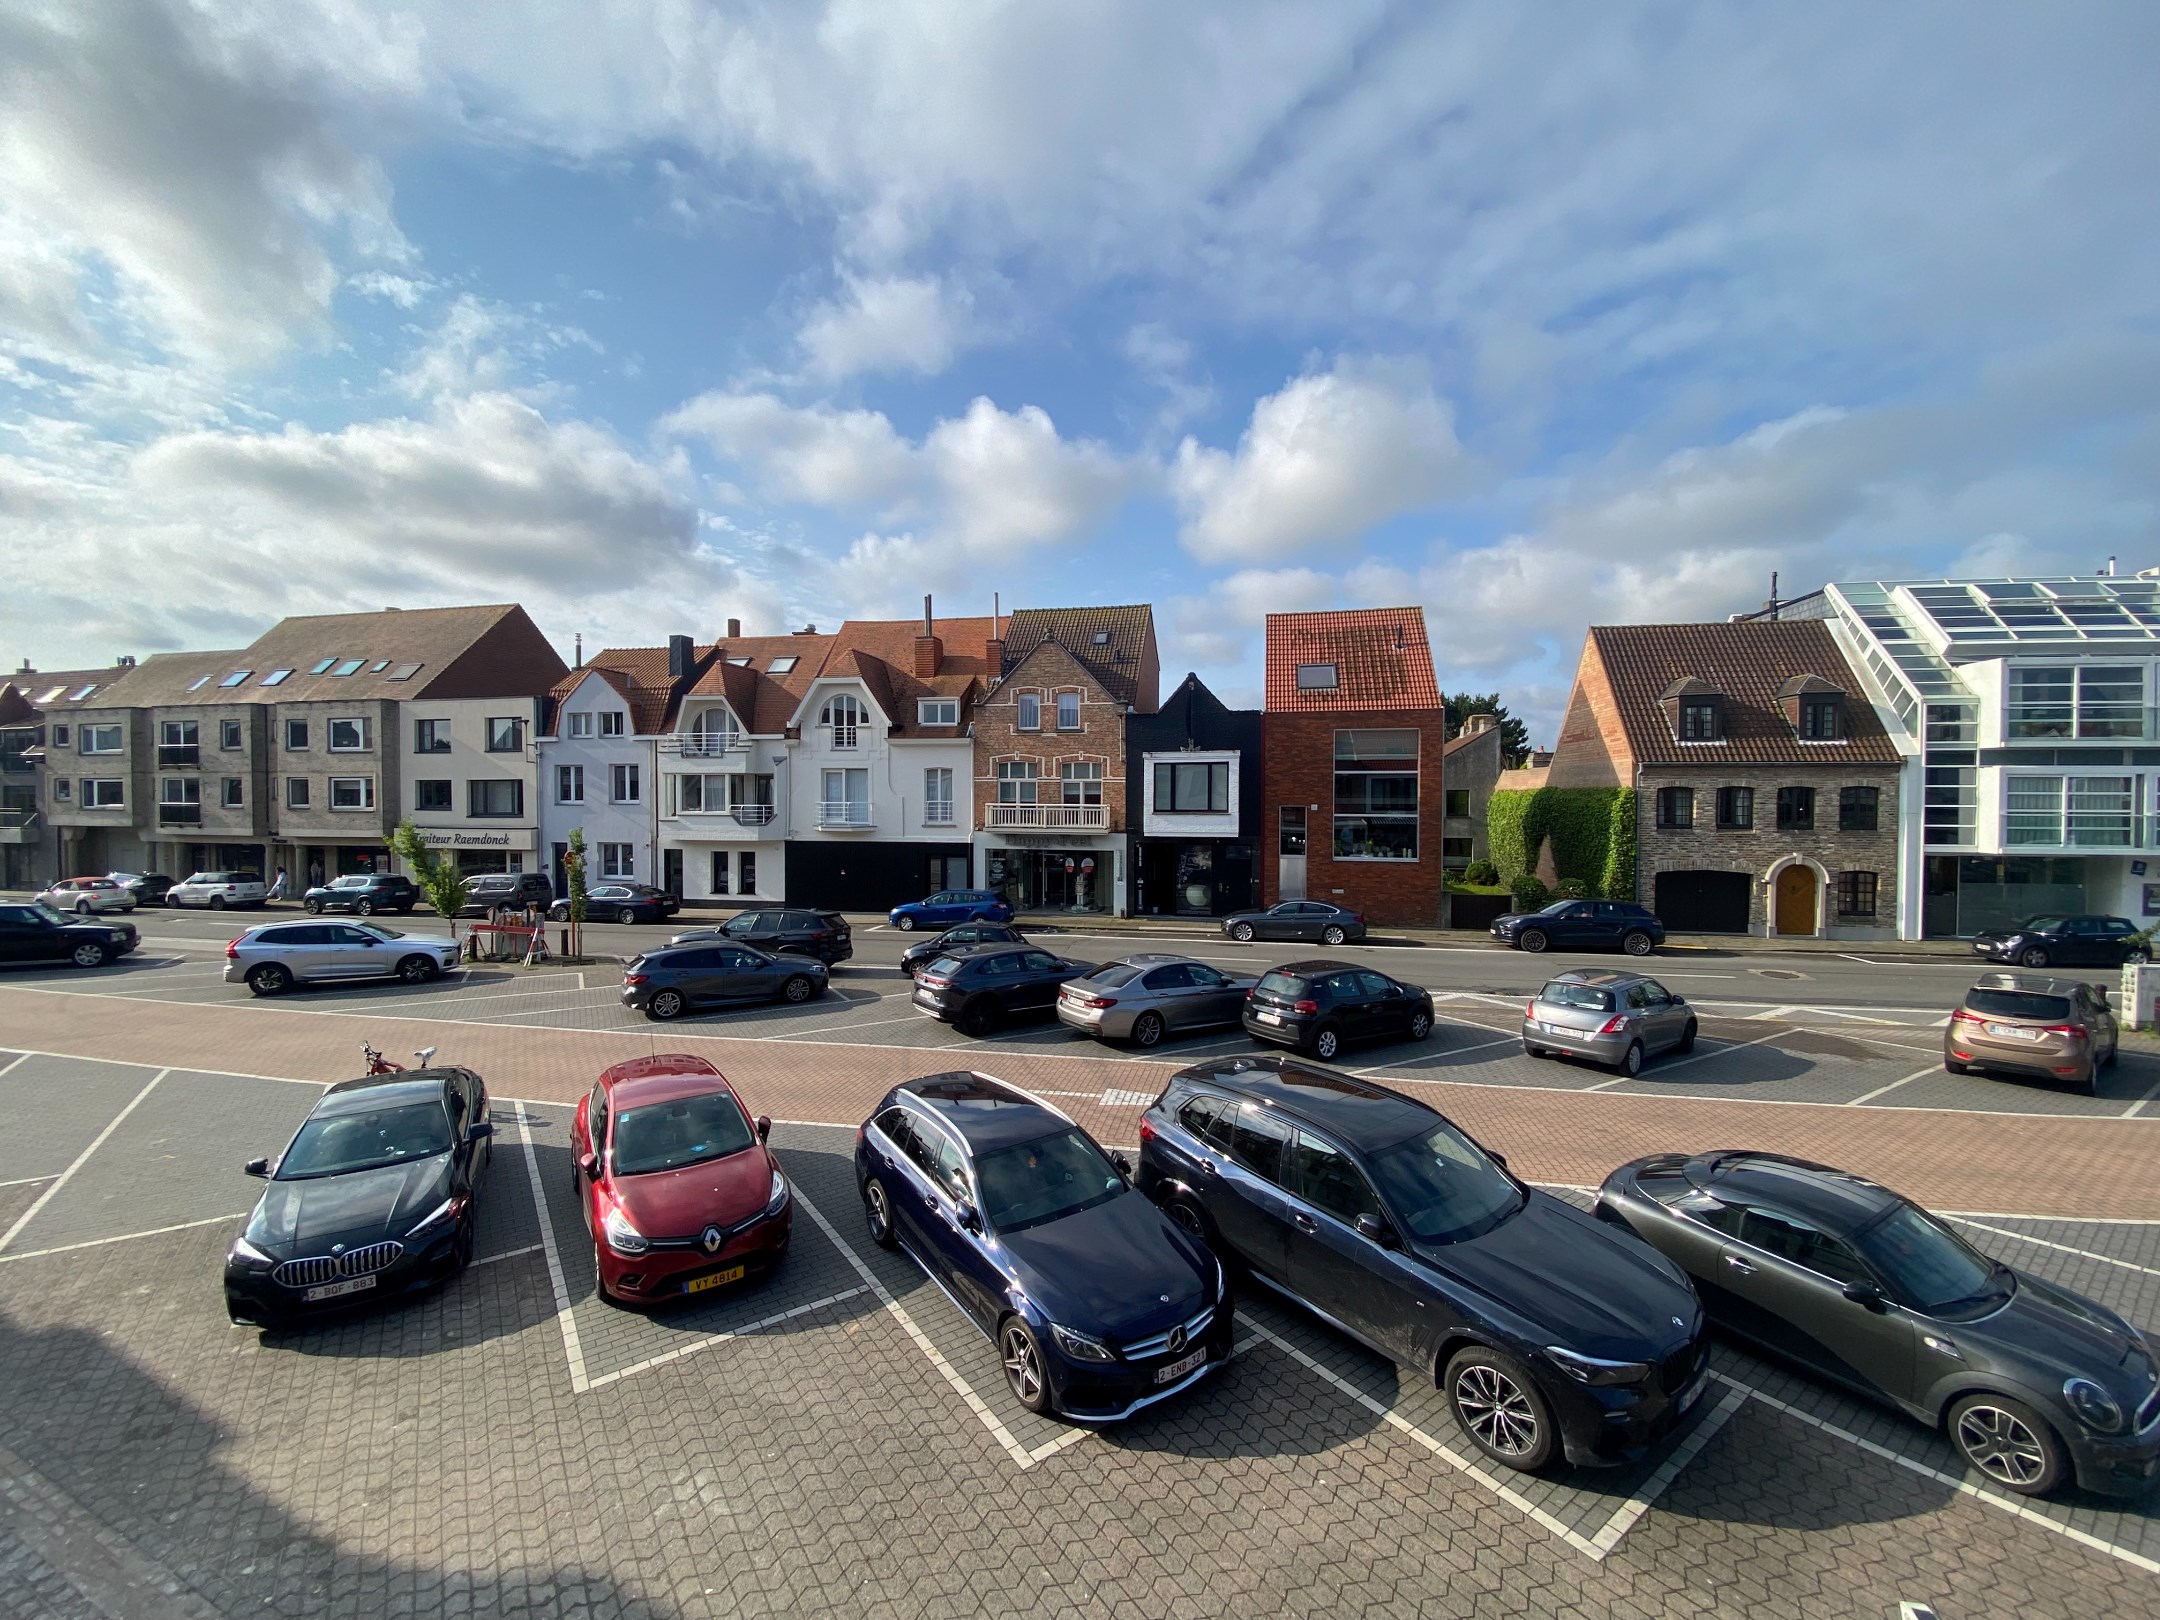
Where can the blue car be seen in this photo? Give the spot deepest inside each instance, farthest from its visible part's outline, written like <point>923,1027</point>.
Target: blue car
<point>1098,1304</point>
<point>950,906</point>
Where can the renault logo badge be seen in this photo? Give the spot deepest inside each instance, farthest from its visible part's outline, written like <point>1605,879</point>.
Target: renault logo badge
<point>712,1238</point>
<point>1177,1340</point>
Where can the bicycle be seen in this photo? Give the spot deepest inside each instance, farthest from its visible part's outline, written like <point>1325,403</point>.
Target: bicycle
<point>378,1064</point>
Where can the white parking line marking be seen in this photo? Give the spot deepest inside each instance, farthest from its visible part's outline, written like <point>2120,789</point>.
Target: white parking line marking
<point>2138,1107</point>
<point>124,1237</point>
<point>23,1181</point>
<point>841,1029</point>
<point>565,1318</point>
<point>1453,1051</point>
<point>18,1059</point>
<point>505,1254</point>
<point>2059,1248</point>
<point>1917,1074</point>
<point>1113,1098</point>
<point>1629,1512</point>
<point>81,1159</point>
<point>709,1341</point>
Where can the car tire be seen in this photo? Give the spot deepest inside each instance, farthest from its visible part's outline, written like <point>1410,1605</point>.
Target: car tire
<point>1501,1409</point>
<point>82,908</point>
<point>1332,935</point>
<point>88,954</point>
<point>664,1004</point>
<point>1242,933</point>
<point>2033,957</point>
<point>1420,1024</point>
<point>2114,1051</point>
<point>1184,1212</point>
<point>269,979</point>
<point>1533,940</point>
<point>798,989</point>
<point>1637,943</point>
<point>1536,1051</point>
<point>363,908</point>
<point>906,925</point>
<point>2138,955</point>
<point>1687,1038</point>
<point>1326,1043</point>
<point>312,907</point>
<point>623,914</point>
<point>2009,1442</point>
<point>417,969</point>
<point>980,1017</point>
<point>1630,1063</point>
<point>1023,1359</point>
<point>877,1214</point>
<point>217,902</point>
<point>1148,1030</point>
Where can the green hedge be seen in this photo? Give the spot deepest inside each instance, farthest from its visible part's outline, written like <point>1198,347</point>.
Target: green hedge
<point>1592,832</point>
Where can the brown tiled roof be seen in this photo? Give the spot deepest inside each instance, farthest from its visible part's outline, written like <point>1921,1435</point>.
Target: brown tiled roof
<point>1745,664</point>
<point>1381,656</point>
<point>881,654</point>
<point>762,701</point>
<point>640,677</point>
<point>1118,663</point>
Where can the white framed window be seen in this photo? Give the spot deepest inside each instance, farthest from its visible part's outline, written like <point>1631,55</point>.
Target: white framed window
<point>846,800</point>
<point>1080,781</point>
<point>296,734</point>
<point>296,793</point>
<point>581,722</point>
<point>1017,781</point>
<point>234,792</point>
<point>103,792</point>
<point>352,792</point>
<point>618,860</point>
<point>611,722</point>
<point>937,711</point>
<point>178,734</point>
<point>350,736</point>
<point>843,714</point>
<point>569,784</point>
<point>1068,711</point>
<point>229,734</point>
<point>1027,711</point>
<point>623,784</point>
<point>937,796</point>
<point>180,790</point>
<point>96,739</point>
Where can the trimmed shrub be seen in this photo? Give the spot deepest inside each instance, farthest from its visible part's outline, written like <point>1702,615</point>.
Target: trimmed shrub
<point>1570,889</point>
<point>1529,894</point>
<point>1592,832</point>
<point>1483,873</point>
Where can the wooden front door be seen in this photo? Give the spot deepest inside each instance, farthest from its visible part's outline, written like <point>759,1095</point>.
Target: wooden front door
<point>1796,900</point>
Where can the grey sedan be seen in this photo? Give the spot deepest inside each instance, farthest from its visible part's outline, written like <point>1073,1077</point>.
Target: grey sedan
<point>273,957</point>
<point>1616,1019</point>
<point>1143,998</point>
<point>1298,919</point>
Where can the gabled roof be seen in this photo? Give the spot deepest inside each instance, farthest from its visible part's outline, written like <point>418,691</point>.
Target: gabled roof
<point>63,684</point>
<point>639,676</point>
<point>1381,657</point>
<point>1120,660</point>
<point>880,653</point>
<point>741,672</point>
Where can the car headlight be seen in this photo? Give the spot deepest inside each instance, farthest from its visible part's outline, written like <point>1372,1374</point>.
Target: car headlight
<point>2094,1406</point>
<point>248,1255</point>
<point>448,1209</point>
<point>621,1236</point>
<point>777,1198</point>
<point>1595,1369</point>
<point>1079,1346</point>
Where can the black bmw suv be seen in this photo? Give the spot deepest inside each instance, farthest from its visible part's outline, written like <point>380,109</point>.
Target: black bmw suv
<point>1549,1332</point>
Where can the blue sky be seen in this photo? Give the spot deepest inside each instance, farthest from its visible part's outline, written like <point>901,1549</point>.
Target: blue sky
<point>659,313</point>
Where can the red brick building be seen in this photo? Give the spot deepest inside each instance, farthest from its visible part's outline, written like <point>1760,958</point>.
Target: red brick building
<point>1351,744</point>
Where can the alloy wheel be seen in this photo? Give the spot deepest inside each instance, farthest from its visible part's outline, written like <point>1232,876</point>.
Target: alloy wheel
<point>82,908</point>
<point>1147,1029</point>
<point>1496,1410</point>
<point>1999,1444</point>
<point>667,1004</point>
<point>1637,944</point>
<point>1332,935</point>
<point>1023,1364</point>
<point>877,1214</point>
<point>1533,940</point>
<point>1326,1044</point>
<point>2033,958</point>
<point>1242,933</point>
<point>1188,1217</point>
<point>1631,1061</point>
<point>797,989</point>
<point>1420,1025</point>
<point>905,925</point>
<point>89,956</point>
<point>363,908</point>
<point>269,979</point>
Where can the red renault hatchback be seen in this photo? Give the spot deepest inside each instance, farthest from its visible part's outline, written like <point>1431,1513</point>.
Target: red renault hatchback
<point>678,1188</point>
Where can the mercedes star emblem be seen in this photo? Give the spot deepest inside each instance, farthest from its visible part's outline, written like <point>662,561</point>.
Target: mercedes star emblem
<point>1177,1340</point>
<point>712,1240</point>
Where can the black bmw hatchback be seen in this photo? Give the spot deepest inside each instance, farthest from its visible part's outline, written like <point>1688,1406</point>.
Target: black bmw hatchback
<point>2032,1382</point>
<point>1548,1332</point>
<point>372,1197</point>
<point>1321,1007</point>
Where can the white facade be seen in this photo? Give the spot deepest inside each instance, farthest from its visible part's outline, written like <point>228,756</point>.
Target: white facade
<point>1161,821</point>
<point>853,778</point>
<point>468,777</point>
<point>598,773</point>
<point>723,801</point>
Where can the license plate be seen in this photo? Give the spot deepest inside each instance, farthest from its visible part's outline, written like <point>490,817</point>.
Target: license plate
<point>351,1285</point>
<point>698,1285</point>
<point>1554,1029</point>
<point>1687,1401</point>
<point>2013,1032</point>
<point>1268,1017</point>
<point>1178,1369</point>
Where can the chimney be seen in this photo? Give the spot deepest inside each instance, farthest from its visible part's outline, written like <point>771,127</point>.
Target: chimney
<point>124,661</point>
<point>734,629</point>
<point>1478,724</point>
<point>681,654</point>
<point>807,630</point>
<point>994,658</point>
<point>929,650</point>
<point>578,646</point>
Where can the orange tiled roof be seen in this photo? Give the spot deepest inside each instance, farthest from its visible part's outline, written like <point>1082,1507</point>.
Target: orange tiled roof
<point>1381,656</point>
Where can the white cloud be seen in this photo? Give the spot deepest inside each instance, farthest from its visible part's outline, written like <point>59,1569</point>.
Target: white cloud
<point>403,291</point>
<point>480,346</point>
<point>882,324</point>
<point>1007,481</point>
<point>1330,456</point>
<point>814,455</point>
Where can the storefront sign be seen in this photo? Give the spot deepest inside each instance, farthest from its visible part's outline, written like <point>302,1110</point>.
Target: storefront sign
<point>463,838</point>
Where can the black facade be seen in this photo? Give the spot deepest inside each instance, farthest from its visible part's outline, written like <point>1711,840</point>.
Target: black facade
<point>1193,876</point>
<point>868,875</point>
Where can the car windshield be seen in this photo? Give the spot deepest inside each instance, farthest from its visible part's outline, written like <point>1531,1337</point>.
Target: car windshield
<point>1562,994</point>
<point>1045,1180</point>
<point>1928,1266</point>
<point>49,913</point>
<point>2016,1004</point>
<point>689,1130</point>
<point>1556,908</point>
<point>366,1139</point>
<point>1113,975</point>
<point>352,883</point>
<point>2040,925</point>
<point>1444,1187</point>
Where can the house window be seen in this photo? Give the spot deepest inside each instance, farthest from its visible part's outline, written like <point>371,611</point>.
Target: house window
<point>431,736</point>
<point>937,711</point>
<point>1017,781</point>
<point>2096,701</point>
<point>178,734</point>
<point>1376,795</point>
<point>846,798</point>
<point>569,784</point>
<point>623,784</point>
<point>228,734</point>
<point>1698,722</point>
<point>1949,725</point>
<point>720,863</point>
<point>1291,836</point>
<point>60,736</point>
<point>495,798</point>
<point>1856,894</point>
<point>611,722</point>
<point>747,871</point>
<point>1857,808</point>
<point>230,793</point>
<point>1080,781</point>
<point>1457,802</point>
<point>296,734</point>
<point>1192,787</point>
<point>1316,678</point>
<point>1819,719</point>
<point>505,734</point>
<point>349,736</point>
<point>1455,853</point>
<point>95,739</point>
<point>1735,809</point>
<point>352,792</point>
<point>843,714</point>
<point>617,861</point>
<point>180,790</point>
<point>2092,812</point>
<point>296,793</point>
<point>1068,711</point>
<point>1796,809</point>
<point>581,723</point>
<point>1027,709</point>
<point>937,796</point>
<point>1675,808</point>
<point>63,790</point>
<point>431,794</point>
<point>103,793</point>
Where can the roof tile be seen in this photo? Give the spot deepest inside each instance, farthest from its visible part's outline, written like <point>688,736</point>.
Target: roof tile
<point>1382,660</point>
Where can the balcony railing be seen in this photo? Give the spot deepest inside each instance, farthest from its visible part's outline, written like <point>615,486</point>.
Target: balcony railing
<point>171,754</point>
<point>703,744</point>
<point>179,815</point>
<point>752,815</point>
<point>1049,815</point>
<point>838,814</point>
<point>18,826</point>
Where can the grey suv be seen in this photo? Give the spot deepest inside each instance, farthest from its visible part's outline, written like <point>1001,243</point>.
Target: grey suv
<point>1616,1019</point>
<point>272,957</point>
<point>512,891</point>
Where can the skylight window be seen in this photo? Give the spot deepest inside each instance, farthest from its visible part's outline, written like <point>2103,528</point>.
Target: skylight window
<point>54,695</point>
<point>1102,638</point>
<point>780,666</point>
<point>277,677</point>
<point>351,666</point>
<point>317,669</point>
<point>198,683</point>
<point>82,692</point>
<point>743,662</point>
<point>404,672</point>
<point>1316,678</point>
<point>378,666</point>
<point>237,678</point>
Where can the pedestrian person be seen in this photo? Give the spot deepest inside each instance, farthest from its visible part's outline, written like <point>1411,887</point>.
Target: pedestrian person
<point>277,885</point>
<point>314,874</point>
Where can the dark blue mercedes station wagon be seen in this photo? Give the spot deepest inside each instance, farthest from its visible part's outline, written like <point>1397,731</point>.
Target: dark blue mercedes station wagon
<point>1098,1304</point>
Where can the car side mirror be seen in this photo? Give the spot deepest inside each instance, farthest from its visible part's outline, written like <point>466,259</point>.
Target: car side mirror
<point>1497,1158</point>
<point>588,1164</point>
<point>1867,1294</point>
<point>1124,1165</point>
<point>764,1126</point>
<point>480,1130</point>
<point>258,1168</point>
<point>1374,1230</point>
<point>967,1215</point>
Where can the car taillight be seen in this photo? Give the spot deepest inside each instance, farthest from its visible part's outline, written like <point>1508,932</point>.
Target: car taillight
<point>1147,1133</point>
<point>232,950</point>
<point>635,978</point>
<point>1961,1016</point>
<point>1305,1006</point>
<point>2070,1030</point>
<point>1530,1012</point>
<point>1613,1025</point>
<point>1097,1002</point>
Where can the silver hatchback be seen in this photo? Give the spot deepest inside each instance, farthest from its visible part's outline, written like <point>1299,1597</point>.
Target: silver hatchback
<point>273,957</point>
<point>1143,998</point>
<point>1617,1019</point>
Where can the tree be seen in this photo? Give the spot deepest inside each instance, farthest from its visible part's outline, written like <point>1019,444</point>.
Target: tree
<point>1514,735</point>
<point>573,866</point>
<point>438,879</point>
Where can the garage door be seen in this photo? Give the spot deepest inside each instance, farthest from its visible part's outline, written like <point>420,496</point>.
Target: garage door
<point>1703,902</point>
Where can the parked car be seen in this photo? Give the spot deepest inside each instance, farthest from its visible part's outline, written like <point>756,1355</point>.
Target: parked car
<point>218,890</point>
<point>2033,1383</point>
<point>507,891</point>
<point>1298,919</point>
<point>1321,1007</point>
<point>622,903</point>
<point>271,958</point>
<point>678,1189</point>
<point>977,933</point>
<point>1548,1332</point>
<point>86,895</point>
<point>37,933</point>
<point>1098,1305</point>
<point>1616,1019</point>
<point>1144,998</point>
<point>977,988</point>
<point>1582,925</point>
<point>2053,941</point>
<point>363,894</point>
<point>950,906</point>
<point>148,888</point>
<point>376,1194</point>
<point>676,979</point>
<point>822,934</point>
<point>2024,1024</point>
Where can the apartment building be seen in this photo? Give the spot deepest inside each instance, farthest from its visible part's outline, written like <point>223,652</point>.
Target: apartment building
<point>44,775</point>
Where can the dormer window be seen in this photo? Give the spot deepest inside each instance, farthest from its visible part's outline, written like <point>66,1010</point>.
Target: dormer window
<point>1819,719</point>
<point>1695,710</point>
<point>844,715</point>
<point>1698,722</point>
<point>937,711</point>
<point>1814,708</point>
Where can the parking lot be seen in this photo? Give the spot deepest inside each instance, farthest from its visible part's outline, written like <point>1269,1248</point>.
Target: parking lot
<point>839,1438</point>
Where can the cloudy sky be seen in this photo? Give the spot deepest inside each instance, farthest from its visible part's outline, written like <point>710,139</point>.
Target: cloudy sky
<point>656,312</point>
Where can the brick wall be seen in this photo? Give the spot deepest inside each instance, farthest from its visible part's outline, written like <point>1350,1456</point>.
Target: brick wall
<point>1046,672</point>
<point>1298,767</point>
<point>1593,748</point>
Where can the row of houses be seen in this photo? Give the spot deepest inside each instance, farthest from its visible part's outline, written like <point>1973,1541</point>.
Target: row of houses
<point>1030,752</point>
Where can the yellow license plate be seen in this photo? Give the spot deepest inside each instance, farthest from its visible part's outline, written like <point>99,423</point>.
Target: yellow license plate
<point>698,1285</point>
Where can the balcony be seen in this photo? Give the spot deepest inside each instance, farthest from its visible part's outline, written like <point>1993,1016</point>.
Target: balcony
<point>170,755</point>
<point>840,815</point>
<point>704,744</point>
<point>18,826</point>
<point>752,815</point>
<point>179,815</point>
<point>1050,817</point>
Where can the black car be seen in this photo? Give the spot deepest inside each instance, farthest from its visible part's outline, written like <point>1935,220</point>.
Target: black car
<point>822,934</point>
<point>363,894</point>
<point>977,988</point>
<point>1548,1332</point>
<point>374,1196</point>
<point>507,891</point>
<point>621,903</point>
<point>148,888</point>
<point>1098,1305</point>
<point>2031,1381</point>
<point>682,978</point>
<point>1583,925</point>
<point>2056,941</point>
<point>974,933</point>
<point>1298,919</point>
<point>1321,1007</point>
<point>37,933</point>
